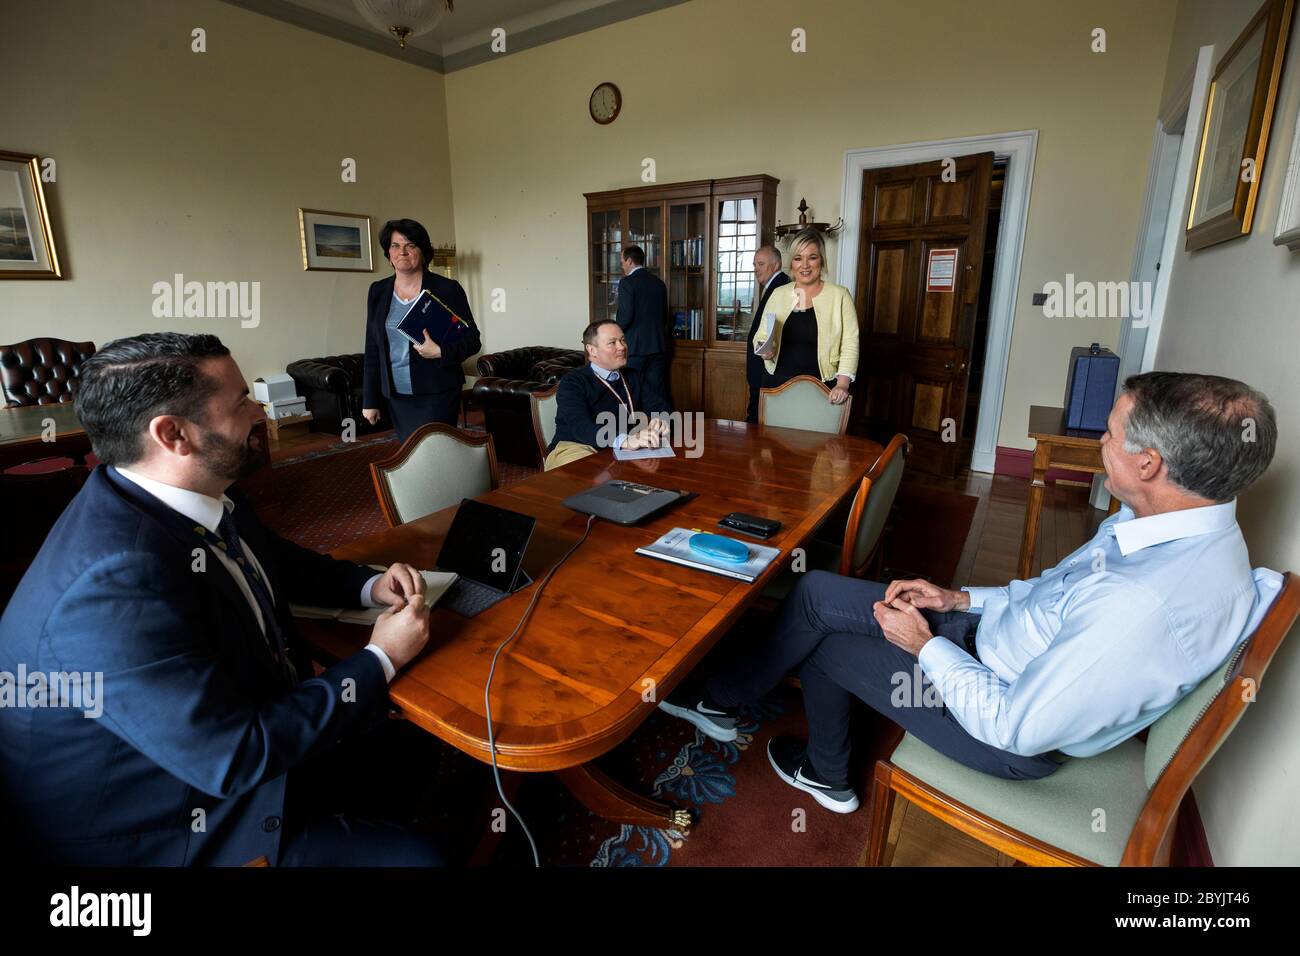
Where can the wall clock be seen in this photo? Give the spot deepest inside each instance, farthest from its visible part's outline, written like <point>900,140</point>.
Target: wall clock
<point>605,103</point>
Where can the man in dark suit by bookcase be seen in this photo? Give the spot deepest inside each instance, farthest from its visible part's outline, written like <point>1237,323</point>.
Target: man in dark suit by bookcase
<point>768,275</point>
<point>161,594</point>
<point>643,316</point>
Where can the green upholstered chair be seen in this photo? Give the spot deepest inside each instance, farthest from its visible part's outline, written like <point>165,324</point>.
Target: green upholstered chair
<point>544,409</point>
<point>862,532</point>
<point>803,402</point>
<point>1140,786</point>
<point>434,469</point>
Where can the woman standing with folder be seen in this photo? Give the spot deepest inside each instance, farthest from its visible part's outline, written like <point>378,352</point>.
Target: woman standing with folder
<point>815,330</point>
<point>421,382</point>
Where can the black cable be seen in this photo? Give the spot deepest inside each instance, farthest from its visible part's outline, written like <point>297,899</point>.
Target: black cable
<point>487,689</point>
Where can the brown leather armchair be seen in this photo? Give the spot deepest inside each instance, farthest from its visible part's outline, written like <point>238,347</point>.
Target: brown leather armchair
<point>332,387</point>
<point>504,391</point>
<point>41,371</point>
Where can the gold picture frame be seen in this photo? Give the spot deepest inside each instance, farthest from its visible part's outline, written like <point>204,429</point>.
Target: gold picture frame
<point>1234,135</point>
<point>27,246</point>
<point>334,241</point>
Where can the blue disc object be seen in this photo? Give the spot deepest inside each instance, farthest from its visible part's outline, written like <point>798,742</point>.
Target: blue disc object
<point>716,546</point>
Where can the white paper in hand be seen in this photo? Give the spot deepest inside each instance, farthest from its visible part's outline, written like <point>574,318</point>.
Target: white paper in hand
<point>768,348</point>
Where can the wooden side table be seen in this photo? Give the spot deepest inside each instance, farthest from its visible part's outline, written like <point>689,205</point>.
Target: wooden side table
<point>1056,447</point>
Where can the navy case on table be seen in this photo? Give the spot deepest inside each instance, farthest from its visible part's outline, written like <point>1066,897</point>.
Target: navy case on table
<point>1090,387</point>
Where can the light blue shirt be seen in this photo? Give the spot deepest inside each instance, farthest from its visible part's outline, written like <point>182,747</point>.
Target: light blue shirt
<point>399,347</point>
<point>1106,642</point>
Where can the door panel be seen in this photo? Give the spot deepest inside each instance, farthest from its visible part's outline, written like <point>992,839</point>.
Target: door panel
<point>916,335</point>
<point>726,391</point>
<point>687,378</point>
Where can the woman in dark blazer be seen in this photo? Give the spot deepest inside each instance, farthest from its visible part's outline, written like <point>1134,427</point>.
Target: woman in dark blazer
<point>421,382</point>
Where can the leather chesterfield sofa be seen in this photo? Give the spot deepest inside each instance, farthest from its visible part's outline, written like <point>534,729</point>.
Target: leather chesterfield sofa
<point>332,387</point>
<point>506,382</point>
<point>41,371</point>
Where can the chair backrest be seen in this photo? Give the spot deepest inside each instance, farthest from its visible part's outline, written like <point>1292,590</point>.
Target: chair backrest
<point>41,371</point>
<point>43,496</point>
<point>871,506</point>
<point>803,402</point>
<point>544,409</point>
<point>435,468</point>
<point>1182,742</point>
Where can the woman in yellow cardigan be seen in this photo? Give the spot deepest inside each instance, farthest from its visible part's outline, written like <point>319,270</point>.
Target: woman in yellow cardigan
<point>816,326</point>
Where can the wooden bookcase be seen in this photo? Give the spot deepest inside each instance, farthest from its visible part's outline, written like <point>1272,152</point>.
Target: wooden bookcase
<point>699,238</point>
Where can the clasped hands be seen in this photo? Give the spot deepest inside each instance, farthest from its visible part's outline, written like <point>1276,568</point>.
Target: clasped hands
<point>652,436</point>
<point>899,614</point>
<point>403,629</point>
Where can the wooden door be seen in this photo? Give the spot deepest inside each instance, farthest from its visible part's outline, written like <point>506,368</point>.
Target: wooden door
<point>920,259</point>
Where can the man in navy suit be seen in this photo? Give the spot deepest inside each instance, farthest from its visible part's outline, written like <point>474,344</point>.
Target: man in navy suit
<point>604,404</point>
<point>768,275</point>
<point>643,317</point>
<point>166,594</point>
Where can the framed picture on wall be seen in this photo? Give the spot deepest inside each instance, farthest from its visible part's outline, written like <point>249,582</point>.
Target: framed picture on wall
<point>334,241</point>
<point>1234,137</point>
<point>27,246</point>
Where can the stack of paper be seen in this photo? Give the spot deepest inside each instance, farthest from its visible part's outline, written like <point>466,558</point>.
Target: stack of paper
<point>675,547</point>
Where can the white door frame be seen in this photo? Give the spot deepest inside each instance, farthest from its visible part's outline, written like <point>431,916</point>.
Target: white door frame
<point>1018,149</point>
<point>1197,92</point>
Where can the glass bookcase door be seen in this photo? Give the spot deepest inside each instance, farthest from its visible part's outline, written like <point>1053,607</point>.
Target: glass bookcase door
<point>645,229</point>
<point>734,268</point>
<point>688,298</point>
<point>606,253</point>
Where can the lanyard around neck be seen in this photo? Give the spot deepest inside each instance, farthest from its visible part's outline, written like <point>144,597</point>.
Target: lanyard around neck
<point>627,391</point>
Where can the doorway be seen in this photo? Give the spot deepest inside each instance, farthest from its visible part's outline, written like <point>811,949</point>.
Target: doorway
<point>1014,154</point>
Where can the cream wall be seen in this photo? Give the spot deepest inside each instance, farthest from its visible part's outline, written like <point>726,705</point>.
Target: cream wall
<point>712,89</point>
<point>1232,311</point>
<point>173,161</point>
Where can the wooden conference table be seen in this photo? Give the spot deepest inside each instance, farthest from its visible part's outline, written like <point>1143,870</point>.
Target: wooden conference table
<point>614,631</point>
<point>41,431</point>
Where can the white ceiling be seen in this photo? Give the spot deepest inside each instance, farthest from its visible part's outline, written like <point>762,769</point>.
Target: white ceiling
<point>463,37</point>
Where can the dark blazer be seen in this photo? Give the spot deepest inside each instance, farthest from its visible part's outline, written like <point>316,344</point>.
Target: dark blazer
<point>428,376</point>
<point>643,313</point>
<point>581,397</point>
<point>753,364</point>
<point>196,716</point>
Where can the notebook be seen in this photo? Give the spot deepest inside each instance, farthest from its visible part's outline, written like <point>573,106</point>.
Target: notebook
<point>436,584</point>
<point>675,547</point>
<point>430,312</point>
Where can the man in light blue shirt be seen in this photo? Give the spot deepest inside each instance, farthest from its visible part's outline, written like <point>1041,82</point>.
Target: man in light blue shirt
<point>1014,680</point>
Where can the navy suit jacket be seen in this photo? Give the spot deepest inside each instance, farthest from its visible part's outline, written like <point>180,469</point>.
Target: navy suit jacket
<point>428,376</point>
<point>196,715</point>
<point>753,364</point>
<point>581,397</point>
<point>643,312</point>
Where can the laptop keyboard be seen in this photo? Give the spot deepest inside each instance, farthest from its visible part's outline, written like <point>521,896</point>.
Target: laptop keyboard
<point>469,598</point>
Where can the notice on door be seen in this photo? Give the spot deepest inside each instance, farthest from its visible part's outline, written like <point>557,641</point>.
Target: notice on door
<point>941,275</point>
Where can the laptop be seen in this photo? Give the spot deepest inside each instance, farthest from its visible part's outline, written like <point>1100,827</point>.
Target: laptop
<point>485,546</point>
<point>622,502</point>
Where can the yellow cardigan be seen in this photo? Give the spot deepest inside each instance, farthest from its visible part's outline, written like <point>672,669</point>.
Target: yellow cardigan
<point>837,328</point>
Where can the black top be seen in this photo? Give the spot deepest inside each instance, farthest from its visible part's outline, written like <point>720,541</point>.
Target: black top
<point>798,354</point>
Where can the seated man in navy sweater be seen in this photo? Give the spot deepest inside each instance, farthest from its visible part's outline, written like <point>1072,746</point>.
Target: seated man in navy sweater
<point>601,404</point>
<point>162,603</point>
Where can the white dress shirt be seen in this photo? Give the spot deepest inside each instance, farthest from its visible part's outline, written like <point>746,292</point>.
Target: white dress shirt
<point>205,510</point>
<point>1106,642</point>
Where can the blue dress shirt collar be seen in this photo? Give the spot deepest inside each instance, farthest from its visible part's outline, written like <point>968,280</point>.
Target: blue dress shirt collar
<point>1133,534</point>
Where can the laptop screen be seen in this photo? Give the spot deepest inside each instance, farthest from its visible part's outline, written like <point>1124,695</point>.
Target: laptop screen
<point>486,544</point>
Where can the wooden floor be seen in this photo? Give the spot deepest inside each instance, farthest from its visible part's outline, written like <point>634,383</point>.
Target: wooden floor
<point>992,550</point>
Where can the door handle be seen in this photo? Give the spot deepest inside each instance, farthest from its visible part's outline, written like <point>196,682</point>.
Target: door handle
<point>949,366</point>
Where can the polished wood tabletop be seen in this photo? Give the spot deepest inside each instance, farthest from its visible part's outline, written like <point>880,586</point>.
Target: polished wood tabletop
<point>27,423</point>
<point>613,631</point>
